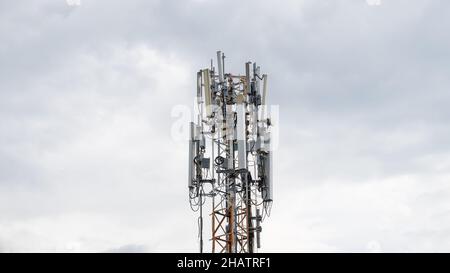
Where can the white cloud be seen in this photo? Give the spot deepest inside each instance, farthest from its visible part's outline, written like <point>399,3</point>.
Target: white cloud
<point>96,141</point>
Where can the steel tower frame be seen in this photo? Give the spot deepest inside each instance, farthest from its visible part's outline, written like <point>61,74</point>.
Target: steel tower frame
<point>232,115</point>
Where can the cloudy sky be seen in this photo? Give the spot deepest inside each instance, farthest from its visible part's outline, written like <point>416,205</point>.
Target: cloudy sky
<point>87,88</point>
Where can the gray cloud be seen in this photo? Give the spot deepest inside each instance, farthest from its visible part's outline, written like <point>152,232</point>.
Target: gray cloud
<point>129,249</point>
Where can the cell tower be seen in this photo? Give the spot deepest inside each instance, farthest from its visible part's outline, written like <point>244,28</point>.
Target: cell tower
<point>230,157</point>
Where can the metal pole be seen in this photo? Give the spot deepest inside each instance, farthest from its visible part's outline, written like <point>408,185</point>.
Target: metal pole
<point>201,222</point>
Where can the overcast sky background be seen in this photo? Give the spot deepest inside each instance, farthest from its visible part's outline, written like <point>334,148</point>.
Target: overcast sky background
<point>87,161</point>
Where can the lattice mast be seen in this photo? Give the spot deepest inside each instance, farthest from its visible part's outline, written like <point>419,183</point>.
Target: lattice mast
<point>230,160</point>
